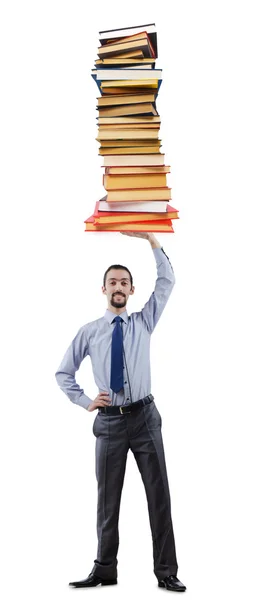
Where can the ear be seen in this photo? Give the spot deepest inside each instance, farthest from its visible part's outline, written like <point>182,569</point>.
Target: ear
<point>132,290</point>
<point>104,290</point>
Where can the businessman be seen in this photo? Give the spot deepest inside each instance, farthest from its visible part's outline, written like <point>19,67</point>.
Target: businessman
<point>127,416</point>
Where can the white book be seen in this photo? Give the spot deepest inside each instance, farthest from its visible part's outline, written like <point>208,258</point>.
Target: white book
<point>135,160</point>
<point>111,34</point>
<point>108,74</point>
<point>157,206</point>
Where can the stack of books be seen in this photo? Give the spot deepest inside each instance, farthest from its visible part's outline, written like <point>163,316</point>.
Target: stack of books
<point>135,174</point>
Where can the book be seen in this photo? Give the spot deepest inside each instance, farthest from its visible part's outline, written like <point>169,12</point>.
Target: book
<point>110,217</point>
<point>129,143</point>
<point>159,206</point>
<point>130,126</point>
<point>133,63</point>
<point>164,226</point>
<point>127,134</point>
<point>134,160</point>
<point>120,47</point>
<point>126,74</point>
<point>135,195</point>
<point>118,99</point>
<point>129,150</point>
<point>129,84</point>
<point>115,34</point>
<point>137,120</point>
<point>136,170</point>
<point>155,86</point>
<point>130,109</point>
<point>126,91</point>
<point>123,182</point>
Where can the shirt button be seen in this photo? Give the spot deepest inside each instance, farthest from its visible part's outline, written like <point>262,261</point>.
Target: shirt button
<point>125,381</point>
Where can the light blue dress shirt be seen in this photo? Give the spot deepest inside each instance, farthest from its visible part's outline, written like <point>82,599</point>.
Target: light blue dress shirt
<point>94,339</point>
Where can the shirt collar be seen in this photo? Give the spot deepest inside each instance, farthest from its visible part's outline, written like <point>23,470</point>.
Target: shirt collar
<point>109,316</point>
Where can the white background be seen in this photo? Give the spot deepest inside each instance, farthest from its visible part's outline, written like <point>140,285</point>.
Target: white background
<point>209,350</point>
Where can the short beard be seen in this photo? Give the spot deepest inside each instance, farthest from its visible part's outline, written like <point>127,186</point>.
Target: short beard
<point>118,304</point>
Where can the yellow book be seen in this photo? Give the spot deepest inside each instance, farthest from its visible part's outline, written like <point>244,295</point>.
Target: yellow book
<point>129,150</point>
<point>150,83</point>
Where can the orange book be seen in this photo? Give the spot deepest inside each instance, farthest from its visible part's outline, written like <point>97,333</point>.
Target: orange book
<point>123,182</point>
<point>164,226</point>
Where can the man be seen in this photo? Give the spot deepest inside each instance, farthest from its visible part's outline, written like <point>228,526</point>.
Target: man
<point>119,348</point>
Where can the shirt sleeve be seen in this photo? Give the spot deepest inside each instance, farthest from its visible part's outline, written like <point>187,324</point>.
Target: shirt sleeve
<point>70,363</point>
<point>165,281</point>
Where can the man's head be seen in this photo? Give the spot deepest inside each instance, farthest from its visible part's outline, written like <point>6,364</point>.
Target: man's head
<point>117,286</point>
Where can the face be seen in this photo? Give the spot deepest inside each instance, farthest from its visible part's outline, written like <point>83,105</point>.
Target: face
<point>117,288</point>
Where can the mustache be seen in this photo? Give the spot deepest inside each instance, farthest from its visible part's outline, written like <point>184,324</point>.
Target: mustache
<point>118,294</point>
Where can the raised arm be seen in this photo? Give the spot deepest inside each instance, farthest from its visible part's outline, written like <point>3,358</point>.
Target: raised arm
<point>165,281</point>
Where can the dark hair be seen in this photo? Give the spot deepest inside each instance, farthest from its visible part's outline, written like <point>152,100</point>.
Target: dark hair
<point>117,267</point>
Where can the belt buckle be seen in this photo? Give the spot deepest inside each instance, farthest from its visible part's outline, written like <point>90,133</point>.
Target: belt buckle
<point>122,411</point>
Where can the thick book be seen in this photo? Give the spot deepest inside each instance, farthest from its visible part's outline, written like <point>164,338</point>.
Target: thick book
<point>139,195</point>
<point>115,34</point>
<point>110,217</point>
<point>123,182</point>
<point>157,206</point>
<point>134,160</point>
<point>151,85</point>
<point>164,226</point>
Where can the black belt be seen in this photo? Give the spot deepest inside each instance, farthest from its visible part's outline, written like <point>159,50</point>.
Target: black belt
<point>126,408</point>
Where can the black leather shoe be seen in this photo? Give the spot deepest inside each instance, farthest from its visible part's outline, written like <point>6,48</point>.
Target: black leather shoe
<point>92,580</point>
<point>172,583</point>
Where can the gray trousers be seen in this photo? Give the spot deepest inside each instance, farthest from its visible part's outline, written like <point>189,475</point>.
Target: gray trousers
<point>141,432</point>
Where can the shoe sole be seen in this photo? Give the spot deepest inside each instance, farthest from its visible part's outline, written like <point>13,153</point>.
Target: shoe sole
<point>103,582</point>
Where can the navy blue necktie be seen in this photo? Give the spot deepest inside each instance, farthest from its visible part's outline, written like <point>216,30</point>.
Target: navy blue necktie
<point>116,382</point>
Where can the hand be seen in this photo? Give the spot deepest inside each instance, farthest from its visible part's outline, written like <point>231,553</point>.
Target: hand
<point>146,236</point>
<point>101,400</point>
<point>140,234</point>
